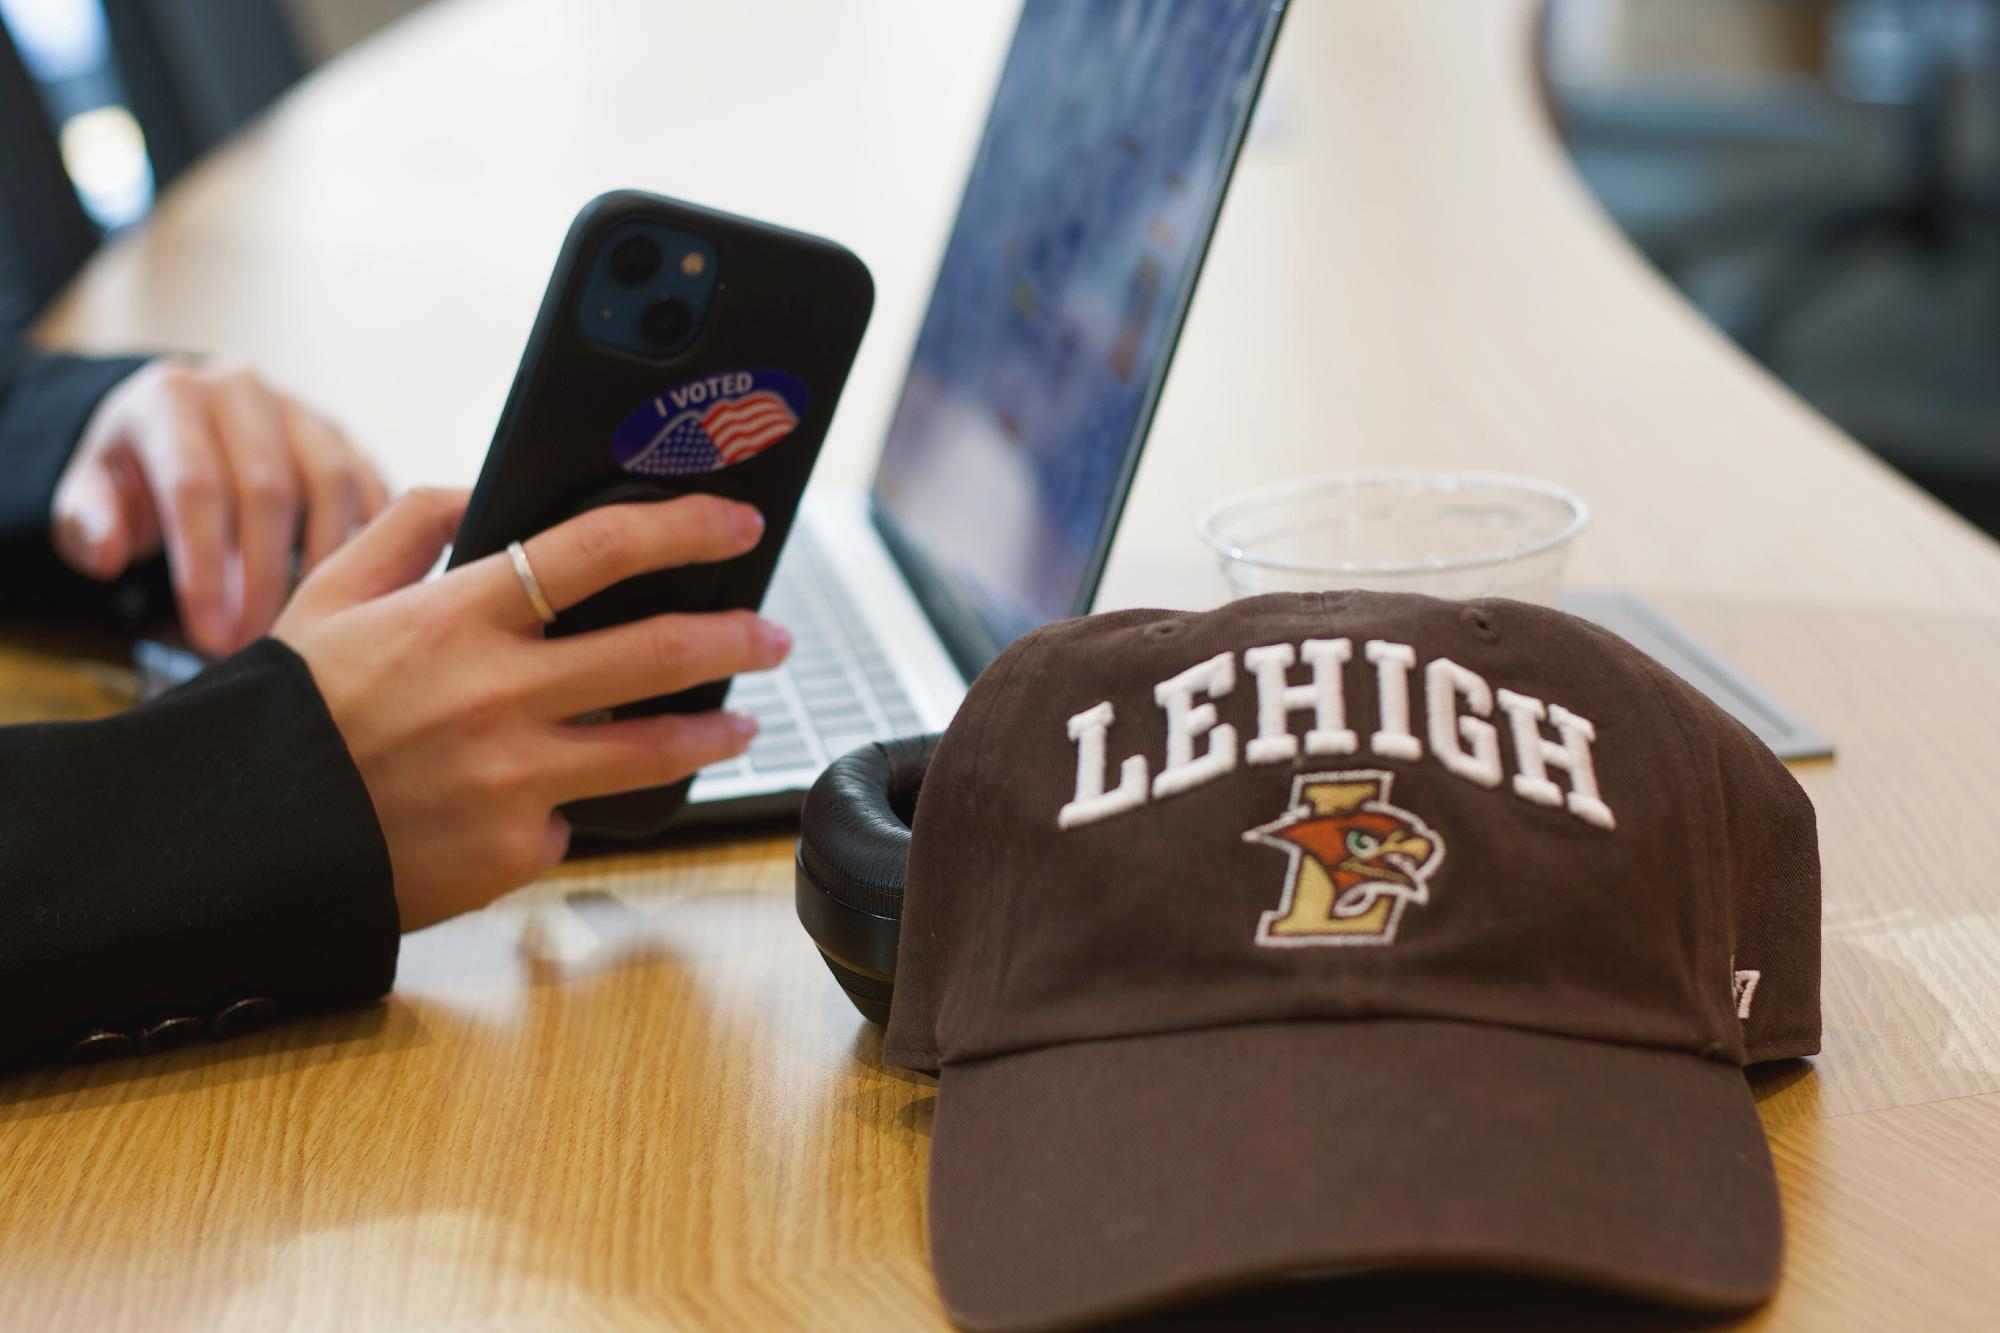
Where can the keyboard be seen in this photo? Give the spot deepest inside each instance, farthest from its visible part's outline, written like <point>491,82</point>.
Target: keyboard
<point>835,692</point>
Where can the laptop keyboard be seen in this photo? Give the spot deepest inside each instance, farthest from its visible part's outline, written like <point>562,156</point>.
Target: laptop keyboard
<point>835,692</point>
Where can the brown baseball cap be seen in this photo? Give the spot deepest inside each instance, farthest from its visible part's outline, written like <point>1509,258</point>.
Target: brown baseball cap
<point>1349,930</point>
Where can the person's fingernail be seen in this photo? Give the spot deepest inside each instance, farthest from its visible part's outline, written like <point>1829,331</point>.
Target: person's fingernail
<point>749,523</point>
<point>777,640</point>
<point>743,724</point>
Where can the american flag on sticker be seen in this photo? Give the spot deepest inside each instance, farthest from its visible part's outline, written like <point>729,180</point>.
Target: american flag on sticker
<point>710,423</point>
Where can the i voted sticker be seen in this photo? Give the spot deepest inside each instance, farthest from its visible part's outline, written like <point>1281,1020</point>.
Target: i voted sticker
<point>710,423</point>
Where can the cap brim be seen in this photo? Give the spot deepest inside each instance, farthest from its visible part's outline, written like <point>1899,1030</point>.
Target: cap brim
<point>1098,1179</point>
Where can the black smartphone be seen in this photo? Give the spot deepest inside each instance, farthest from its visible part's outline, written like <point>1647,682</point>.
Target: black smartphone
<point>677,350</point>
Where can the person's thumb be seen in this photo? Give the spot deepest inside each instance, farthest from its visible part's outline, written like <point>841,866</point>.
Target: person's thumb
<point>89,522</point>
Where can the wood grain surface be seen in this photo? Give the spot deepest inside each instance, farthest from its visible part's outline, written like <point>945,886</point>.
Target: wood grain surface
<point>630,1096</point>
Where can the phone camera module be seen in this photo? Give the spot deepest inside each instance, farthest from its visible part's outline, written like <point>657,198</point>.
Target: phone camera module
<point>647,290</point>
<point>635,259</point>
<point>666,323</point>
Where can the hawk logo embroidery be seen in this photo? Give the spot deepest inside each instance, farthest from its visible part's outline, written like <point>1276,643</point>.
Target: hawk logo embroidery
<point>1356,861</point>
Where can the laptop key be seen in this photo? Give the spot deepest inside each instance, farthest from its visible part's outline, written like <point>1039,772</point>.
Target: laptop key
<point>818,664</point>
<point>840,743</point>
<point>828,698</point>
<point>779,760</point>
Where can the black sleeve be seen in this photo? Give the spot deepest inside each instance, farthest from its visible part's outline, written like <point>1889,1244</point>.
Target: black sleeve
<point>45,401</point>
<point>203,863</point>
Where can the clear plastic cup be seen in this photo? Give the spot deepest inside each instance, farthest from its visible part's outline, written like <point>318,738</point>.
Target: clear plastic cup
<point>1446,533</point>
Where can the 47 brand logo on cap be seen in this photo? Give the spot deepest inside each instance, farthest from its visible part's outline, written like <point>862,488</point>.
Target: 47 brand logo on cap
<point>1357,861</point>
<point>710,423</point>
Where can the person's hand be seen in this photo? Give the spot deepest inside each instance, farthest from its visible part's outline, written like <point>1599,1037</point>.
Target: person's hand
<point>455,707</point>
<point>227,475</point>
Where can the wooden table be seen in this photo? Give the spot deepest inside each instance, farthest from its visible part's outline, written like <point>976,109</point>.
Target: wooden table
<point>630,1095</point>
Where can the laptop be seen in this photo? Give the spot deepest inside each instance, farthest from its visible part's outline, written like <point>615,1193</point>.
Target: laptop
<point>1095,189</point>
<point>1055,312</point>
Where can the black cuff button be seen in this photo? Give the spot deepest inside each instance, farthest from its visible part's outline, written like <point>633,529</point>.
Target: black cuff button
<point>103,1044</point>
<point>169,1033</point>
<point>243,1016</point>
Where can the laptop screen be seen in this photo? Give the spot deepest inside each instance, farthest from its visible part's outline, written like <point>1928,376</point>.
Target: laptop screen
<point>1072,261</point>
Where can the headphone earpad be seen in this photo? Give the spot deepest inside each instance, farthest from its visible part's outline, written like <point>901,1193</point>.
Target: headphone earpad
<point>854,837</point>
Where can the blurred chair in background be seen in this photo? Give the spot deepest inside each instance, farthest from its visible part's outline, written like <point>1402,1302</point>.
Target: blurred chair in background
<point>1911,66</point>
<point>1822,177</point>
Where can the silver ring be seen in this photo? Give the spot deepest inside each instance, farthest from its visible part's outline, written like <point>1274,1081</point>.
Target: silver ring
<point>529,584</point>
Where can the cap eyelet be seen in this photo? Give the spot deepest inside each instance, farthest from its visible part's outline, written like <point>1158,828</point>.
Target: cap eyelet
<point>1164,629</point>
<point>1480,622</point>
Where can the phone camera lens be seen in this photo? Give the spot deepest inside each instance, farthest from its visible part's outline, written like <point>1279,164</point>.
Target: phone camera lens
<point>635,259</point>
<point>666,322</point>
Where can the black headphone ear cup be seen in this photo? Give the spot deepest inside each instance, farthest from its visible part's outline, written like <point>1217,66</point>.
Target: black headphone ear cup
<point>854,838</point>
